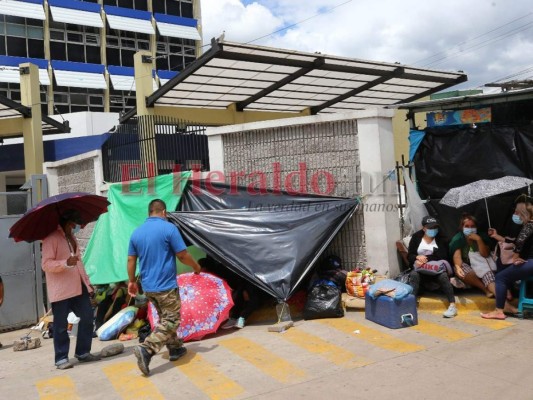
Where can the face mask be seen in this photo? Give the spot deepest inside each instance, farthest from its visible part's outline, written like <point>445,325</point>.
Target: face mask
<point>469,231</point>
<point>517,220</point>
<point>432,232</point>
<point>76,229</point>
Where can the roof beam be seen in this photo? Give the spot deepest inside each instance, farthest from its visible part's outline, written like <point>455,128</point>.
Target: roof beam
<point>11,127</point>
<point>219,117</point>
<point>63,127</point>
<point>191,68</point>
<point>460,79</point>
<point>320,61</point>
<point>398,71</point>
<point>23,110</point>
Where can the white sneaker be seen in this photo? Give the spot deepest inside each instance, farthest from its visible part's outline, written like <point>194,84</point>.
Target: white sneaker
<point>240,323</point>
<point>230,323</point>
<point>450,312</point>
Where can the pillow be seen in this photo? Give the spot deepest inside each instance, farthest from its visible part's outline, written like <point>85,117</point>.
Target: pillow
<point>120,321</point>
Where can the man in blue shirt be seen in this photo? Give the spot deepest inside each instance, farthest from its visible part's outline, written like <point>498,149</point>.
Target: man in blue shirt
<point>156,244</point>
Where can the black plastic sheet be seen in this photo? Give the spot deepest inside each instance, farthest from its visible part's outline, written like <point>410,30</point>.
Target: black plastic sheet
<point>271,240</point>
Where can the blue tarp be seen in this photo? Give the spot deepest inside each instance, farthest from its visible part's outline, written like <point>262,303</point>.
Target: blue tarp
<point>415,138</point>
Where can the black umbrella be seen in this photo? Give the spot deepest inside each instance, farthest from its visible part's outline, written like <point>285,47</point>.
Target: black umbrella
<point>38,222</point>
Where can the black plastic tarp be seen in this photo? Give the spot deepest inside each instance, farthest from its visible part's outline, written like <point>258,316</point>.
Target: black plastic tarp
<point>454,156</point>
<point>272,240</point>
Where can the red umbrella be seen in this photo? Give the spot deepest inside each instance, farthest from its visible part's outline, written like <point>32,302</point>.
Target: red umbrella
<point>38,222</point>
<point>205,304</point>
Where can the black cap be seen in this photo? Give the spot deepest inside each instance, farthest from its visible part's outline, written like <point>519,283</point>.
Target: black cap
<point>430,222</point>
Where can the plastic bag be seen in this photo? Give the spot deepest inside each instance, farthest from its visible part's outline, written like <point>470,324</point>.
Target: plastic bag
<point>391,288</point>
<point>404,276</point>
<point>358,281</point>
<point>323,301</point>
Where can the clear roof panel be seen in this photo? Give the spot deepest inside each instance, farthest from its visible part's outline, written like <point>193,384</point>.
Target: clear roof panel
<point>263,78</point>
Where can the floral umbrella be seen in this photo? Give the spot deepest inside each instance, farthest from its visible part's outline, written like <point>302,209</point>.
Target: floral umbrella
<point>205,303</point>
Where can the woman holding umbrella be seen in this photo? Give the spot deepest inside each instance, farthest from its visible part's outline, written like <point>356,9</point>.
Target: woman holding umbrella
<point>68,289</point>
<point>522,261</point>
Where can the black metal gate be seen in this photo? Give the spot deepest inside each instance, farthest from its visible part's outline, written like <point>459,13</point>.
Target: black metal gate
<point>148,146</point>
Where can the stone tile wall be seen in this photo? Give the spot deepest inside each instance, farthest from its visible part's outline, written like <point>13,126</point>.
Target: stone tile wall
<point>326,146</point>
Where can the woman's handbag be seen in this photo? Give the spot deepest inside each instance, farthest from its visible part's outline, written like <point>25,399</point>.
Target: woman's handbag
<point>505,251</point>
<point>481,265</point>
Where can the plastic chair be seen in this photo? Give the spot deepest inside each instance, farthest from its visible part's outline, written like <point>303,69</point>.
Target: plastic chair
<point>523,301</point>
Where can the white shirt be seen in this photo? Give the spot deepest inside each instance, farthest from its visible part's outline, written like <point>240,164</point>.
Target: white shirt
<point>427,249</point>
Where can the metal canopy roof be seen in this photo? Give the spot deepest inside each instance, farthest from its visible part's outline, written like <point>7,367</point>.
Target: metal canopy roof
<point>257,78</point>
<point>10,109</point>
<point>452,103</point>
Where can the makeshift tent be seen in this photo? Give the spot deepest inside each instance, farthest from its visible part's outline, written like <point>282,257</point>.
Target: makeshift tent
<point>272,239</point>
<point>106,255</point>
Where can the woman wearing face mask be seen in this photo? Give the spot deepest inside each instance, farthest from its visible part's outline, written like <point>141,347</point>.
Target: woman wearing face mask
<point>522,261</point>
<point>428,256</point>
<point>506,243</point>
<point>464,242</point>
<point>68,289</point>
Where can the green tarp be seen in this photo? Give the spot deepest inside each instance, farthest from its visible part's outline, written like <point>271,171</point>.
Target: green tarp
<point>106,255</point>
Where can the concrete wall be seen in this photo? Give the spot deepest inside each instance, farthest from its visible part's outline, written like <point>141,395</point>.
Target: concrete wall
<point>352,147</point>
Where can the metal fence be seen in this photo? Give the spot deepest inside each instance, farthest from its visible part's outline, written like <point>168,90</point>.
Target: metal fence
<point>148,146</point>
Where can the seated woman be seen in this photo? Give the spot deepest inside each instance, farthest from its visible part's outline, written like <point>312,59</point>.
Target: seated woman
<point>522,265</point>
<point>246,296</point>
<point>428,255</point>
<point>506,244</point>
<point>467,241</point>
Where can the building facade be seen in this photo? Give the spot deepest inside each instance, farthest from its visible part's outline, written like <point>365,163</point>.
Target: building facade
<point>84,48</point>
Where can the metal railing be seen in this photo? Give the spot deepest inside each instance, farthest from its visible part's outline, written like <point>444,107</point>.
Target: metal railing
<point>148,146</point>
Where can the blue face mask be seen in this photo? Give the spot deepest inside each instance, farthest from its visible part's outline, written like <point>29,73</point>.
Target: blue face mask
<point>469,231</point>
<point>517,220</point>
<point>432,232</point>
<point>76,229</point>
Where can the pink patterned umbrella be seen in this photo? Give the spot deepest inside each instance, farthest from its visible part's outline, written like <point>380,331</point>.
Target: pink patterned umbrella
<point>205,304</point>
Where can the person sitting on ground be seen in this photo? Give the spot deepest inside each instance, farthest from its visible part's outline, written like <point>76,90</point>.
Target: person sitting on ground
<point>522,265</point>
<point>428,256</point>
<point>246,296</point>
<point>246,299</point>
<point>467,241</point>
<point>506,244</point>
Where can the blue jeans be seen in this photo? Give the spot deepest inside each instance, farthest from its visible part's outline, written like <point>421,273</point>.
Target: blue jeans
<point>81,306</point>
<point>507,277</point>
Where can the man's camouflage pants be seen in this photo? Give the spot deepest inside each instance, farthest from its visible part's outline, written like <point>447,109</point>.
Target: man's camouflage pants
<point>168,305</point>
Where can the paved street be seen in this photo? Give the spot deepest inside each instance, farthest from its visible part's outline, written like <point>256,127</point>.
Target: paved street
<point>461,358</point>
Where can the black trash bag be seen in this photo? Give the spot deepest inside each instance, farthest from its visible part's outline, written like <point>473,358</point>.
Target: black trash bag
<point>323,301</point>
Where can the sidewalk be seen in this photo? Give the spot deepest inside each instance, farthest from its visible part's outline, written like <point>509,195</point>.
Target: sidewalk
<point>460,358</point>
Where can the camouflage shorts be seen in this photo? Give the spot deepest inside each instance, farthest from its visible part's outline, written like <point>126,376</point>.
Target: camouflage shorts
<point>168,306</point>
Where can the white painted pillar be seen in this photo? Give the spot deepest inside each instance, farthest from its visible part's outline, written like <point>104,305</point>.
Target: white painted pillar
<point>381,217</point>
<point>216,152</point>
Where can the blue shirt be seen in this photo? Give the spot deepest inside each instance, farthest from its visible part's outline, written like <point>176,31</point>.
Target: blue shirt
<point>156,243</point>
